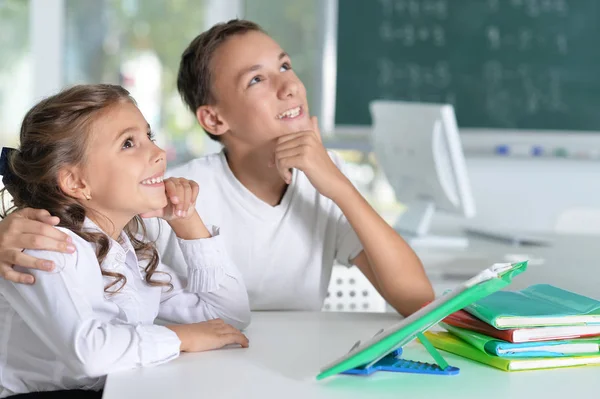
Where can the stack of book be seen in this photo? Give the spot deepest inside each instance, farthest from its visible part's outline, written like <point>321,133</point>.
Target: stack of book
<point>539,327</point>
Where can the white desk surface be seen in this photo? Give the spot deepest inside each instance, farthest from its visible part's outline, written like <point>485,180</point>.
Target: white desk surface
<point>287,349</point>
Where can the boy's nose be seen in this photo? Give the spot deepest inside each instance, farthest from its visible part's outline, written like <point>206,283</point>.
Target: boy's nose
<point>289,88</point>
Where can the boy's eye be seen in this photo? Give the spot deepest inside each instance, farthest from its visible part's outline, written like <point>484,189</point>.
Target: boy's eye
<point>255,80</point>
<point>127,143</point>
<point>285,67</point>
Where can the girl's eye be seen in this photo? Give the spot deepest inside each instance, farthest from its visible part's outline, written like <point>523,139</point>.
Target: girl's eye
<point>151,136</point>
<point>285,67</point>
<point>127,144</point>
<point>255,80</point>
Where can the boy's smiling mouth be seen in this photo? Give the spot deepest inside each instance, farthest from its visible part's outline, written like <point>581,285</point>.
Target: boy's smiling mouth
<point>291,113</point>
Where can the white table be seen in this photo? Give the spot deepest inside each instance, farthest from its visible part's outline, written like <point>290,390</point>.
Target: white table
<point>287,349</point>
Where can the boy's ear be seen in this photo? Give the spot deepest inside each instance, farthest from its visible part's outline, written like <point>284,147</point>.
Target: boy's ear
<point>72,184</point>
<point>211,120</point>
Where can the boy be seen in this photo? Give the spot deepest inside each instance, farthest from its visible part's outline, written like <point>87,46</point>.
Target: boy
<point>285,209</point>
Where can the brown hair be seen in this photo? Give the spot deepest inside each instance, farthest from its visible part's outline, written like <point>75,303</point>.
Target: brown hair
<point>54,134</point>
<point>194,79</point>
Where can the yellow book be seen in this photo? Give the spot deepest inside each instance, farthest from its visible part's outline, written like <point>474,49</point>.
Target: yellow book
<point>450,343</point>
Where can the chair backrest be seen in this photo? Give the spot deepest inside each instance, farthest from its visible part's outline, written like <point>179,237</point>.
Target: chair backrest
<point>350,291</point>
<point>578,221</point>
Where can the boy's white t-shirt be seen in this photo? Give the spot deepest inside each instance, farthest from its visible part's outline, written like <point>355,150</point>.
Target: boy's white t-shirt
<point>285,252</point>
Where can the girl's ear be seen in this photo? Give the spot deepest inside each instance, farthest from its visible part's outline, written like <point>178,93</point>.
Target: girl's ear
<point>211,121</point>
<point>72,184</point>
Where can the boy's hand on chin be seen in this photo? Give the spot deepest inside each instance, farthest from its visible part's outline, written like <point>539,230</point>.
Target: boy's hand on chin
<point>305,151</point>
<point>181,200</point>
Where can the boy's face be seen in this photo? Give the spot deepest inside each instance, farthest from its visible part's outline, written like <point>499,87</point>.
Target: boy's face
<point>256,91</point>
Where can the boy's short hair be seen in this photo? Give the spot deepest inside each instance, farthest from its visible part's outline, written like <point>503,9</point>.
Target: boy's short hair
<point>194,79</point>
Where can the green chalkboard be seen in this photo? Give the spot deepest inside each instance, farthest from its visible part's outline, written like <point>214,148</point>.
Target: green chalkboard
<point>526,64</point>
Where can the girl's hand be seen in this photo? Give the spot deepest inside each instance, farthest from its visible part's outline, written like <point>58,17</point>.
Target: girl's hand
<point>181,200</point>
<point>208,335</point>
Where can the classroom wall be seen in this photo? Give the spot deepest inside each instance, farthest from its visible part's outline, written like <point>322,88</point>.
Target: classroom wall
<point>531,193</point>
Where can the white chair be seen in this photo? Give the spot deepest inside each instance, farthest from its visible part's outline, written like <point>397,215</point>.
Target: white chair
<point>350,291</point>
<point>578,221</point>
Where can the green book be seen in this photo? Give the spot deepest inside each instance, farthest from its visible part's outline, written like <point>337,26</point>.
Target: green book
<point>497,347</point>
<point>450,343</point>
<point>370,351</point>
<point>539,305</point>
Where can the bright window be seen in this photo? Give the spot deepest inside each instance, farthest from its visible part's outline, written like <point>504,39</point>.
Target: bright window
<point>15,68</point>
<point>138,44</point>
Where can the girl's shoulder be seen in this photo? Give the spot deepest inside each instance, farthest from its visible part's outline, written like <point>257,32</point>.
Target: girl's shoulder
<point>83,250</point>
<point>77,241</point>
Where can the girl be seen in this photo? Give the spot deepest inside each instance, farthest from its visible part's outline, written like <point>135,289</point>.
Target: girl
<point>94,313</point>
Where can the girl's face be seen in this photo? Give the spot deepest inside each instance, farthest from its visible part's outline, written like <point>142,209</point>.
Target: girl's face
<point>123,168</point>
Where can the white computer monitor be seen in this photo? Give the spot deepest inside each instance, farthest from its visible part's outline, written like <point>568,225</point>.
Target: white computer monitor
<point>418,147</point>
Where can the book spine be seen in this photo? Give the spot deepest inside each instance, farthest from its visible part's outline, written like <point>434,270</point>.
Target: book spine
<point>482,328</point>
<point>481,313</point>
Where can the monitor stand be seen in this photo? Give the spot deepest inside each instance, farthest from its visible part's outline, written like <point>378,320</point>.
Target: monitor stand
<point>413,225</point>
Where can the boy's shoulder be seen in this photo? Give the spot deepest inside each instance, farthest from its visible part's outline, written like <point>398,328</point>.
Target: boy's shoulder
<point>198,169</point>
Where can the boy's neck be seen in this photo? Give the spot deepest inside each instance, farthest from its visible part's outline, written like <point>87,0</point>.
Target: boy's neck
<point>252,169</point>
